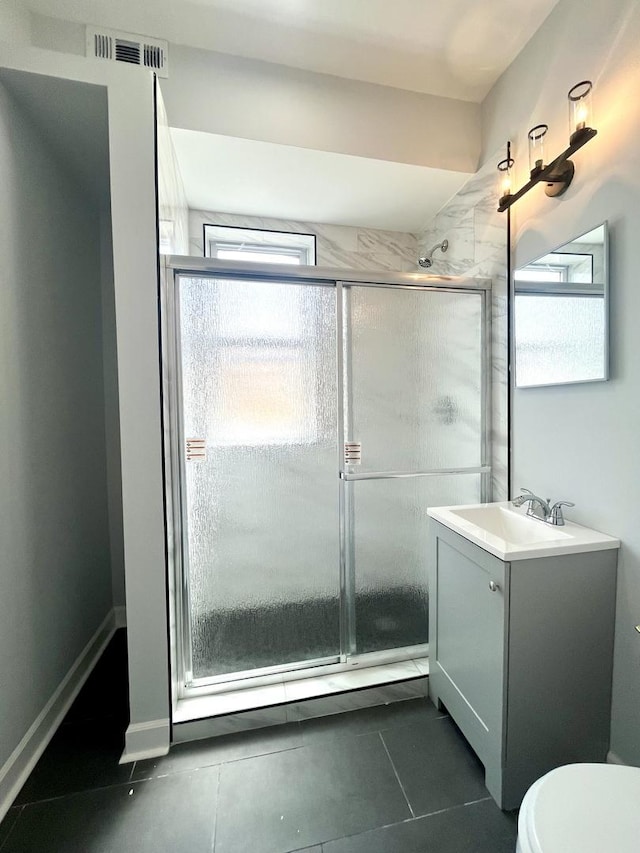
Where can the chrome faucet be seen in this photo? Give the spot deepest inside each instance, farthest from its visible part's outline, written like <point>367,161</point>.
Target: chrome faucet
<point>538,507</point>
<point>541,509</point>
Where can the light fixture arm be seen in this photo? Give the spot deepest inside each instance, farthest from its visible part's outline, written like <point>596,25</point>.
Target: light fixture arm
<point>557,175</point>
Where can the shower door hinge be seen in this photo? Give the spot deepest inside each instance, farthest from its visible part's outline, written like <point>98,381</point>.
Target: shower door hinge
<point>352,453</point>
<point>196,449</point>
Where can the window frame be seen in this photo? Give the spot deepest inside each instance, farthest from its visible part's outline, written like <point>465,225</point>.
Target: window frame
<point>296,244</point>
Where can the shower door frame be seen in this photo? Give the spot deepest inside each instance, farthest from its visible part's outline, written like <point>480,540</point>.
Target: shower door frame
<point>172,267</point>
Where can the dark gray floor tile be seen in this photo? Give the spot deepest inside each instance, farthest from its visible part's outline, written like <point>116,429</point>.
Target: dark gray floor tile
<point>79,758</point>
<point>435,764</point>
<point>104,695</point>
<point>374,719</point>
<point>7,824</point>
<point>218,750</point>
<point>160,816</point>
<point>289,800</point>
<point>476,828</point>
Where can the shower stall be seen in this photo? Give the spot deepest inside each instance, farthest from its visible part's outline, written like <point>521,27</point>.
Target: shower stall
<point>311,417</point>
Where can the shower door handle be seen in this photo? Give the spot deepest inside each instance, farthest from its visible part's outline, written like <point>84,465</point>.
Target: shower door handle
<point>196,449</point>
<point>352,453</point>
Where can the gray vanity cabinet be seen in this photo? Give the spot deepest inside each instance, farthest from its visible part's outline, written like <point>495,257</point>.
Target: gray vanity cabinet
<point>521,656</point>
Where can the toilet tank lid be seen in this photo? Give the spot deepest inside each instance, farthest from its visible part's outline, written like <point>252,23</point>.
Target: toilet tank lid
<point>587,807</point>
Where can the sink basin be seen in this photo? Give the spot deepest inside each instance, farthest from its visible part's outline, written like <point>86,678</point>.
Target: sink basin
<point>501,521</point>
<point>509,533</point>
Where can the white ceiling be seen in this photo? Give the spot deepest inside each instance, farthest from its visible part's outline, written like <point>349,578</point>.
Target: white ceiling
<point>243,176</point>
<point>453,48</point>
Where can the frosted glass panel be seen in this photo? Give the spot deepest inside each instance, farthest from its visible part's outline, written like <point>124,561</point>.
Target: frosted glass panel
<point>258,368</point>
<point>561,313</point>
<point>415,364</point>
<point>559,339</point>
<point>390,527</point>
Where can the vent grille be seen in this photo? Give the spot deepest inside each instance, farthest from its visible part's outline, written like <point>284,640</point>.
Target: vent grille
<point>154,56</point>
<point>128,51</point>
<point>128,47</point>
<point>103,46</point>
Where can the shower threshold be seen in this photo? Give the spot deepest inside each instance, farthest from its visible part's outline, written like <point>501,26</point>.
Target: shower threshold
<point>293,698</point>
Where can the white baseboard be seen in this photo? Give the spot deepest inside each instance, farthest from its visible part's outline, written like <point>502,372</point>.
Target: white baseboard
<point>120,613</point>
<point>15,771</point>
<point>612,758</point>
<point>146,740</point>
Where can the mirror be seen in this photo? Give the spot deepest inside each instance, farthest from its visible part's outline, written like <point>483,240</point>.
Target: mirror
<point>560,314</point>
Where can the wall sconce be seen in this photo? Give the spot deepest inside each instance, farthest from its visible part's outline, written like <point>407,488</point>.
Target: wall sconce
<point>580,109</point>
<point>559,173</point>
<point>504,167</point>
<point>536,148</point>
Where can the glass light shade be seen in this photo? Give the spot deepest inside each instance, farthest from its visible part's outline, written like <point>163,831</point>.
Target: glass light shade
<point>505,172</point>
<point>580,108</point>
<point>537,136</point>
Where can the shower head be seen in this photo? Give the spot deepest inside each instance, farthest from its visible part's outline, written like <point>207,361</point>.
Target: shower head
<point>427,262</point>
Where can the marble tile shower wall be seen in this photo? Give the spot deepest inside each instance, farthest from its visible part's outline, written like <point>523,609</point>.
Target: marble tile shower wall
<point>477,236</point>
<point>336,245</point>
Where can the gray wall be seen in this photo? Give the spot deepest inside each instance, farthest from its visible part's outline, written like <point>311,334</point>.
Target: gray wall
<point>251,99</point>
<point>15,22</point>
<point>581,442</point>
<point>55,577</point>
<point>133,210</point>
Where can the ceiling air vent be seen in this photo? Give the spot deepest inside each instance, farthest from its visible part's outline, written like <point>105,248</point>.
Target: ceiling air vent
<point>128,47</point>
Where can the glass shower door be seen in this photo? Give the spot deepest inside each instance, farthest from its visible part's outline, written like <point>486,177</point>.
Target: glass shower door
<point>258,395</point>
<point>414,402</point>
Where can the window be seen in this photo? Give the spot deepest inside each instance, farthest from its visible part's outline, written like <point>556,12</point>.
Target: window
<point>268,341</point>
<point>229,243</point>
<point>558,267</point>
<point>542,274</point>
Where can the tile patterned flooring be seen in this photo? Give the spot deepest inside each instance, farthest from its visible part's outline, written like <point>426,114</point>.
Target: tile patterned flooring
<point>396,778</point>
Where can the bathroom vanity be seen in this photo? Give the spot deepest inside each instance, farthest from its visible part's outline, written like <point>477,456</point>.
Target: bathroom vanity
<point>521,640</point>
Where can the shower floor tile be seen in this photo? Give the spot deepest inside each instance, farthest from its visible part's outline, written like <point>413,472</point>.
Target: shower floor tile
<point>230,702</point>
<point>340,682</point>
<point>240,699</point>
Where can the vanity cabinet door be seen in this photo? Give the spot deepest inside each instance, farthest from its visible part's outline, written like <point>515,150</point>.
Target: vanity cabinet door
<point>467,593</point>
<point>521,655</point>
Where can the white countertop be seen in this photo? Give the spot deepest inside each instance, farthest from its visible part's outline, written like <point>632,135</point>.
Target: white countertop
<point>509,534</point>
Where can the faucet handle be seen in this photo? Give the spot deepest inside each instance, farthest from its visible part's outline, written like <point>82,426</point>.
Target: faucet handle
<point>556,515</point>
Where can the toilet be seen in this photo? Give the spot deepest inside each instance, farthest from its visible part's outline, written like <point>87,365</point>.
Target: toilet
<point>586,808</point>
